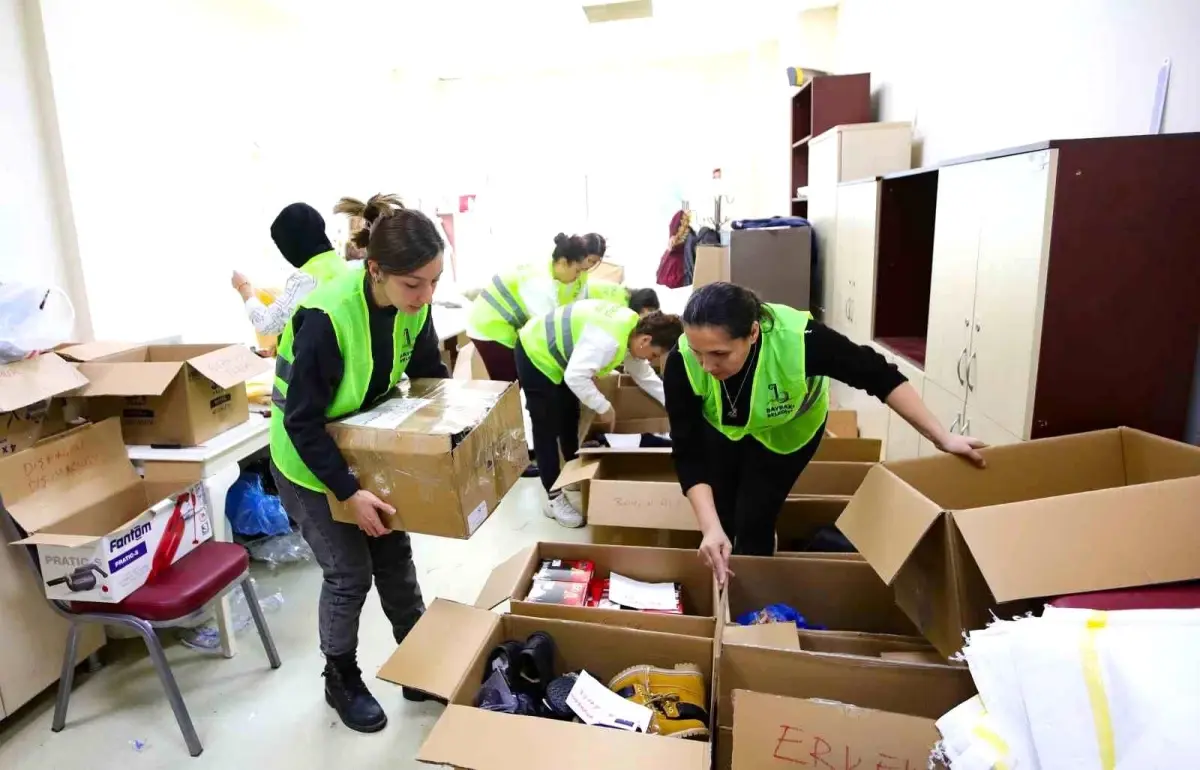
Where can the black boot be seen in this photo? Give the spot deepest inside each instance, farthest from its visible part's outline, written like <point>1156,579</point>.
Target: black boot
<point>346,692</point>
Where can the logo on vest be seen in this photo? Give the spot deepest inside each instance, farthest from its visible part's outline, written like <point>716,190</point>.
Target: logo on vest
<point>780,402</point>
<point>407,338</point>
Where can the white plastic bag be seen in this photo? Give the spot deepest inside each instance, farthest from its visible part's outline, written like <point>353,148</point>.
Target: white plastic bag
<point>32,319</point>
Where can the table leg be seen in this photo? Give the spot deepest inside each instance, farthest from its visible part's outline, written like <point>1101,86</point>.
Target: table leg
<point>216,487</point>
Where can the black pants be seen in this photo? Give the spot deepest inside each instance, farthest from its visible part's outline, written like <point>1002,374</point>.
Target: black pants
<point>750,484</point>
<point>554,412</point>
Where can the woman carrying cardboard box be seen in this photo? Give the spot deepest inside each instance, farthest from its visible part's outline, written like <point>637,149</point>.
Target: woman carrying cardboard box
<point>347,346</point>
<point>747,396</point>
<point>558,358</point>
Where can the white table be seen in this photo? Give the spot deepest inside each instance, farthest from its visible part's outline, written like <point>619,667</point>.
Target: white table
<point>215,464</point>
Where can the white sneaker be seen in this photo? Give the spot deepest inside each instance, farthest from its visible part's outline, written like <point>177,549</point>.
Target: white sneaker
<point>567,515</point>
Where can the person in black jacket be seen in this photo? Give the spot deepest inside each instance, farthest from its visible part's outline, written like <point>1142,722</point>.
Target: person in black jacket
<point>344,349</point>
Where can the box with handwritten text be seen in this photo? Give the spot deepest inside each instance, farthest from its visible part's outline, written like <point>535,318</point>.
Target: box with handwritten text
<point>100,531</point>
<point>168,395</point>
<point>31,399</point>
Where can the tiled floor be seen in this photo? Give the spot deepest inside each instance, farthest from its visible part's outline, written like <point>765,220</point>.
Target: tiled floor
<point>248,715</point>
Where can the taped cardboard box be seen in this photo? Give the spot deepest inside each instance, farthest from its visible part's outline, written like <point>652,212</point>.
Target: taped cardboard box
<point>511,580</point>
<point>168,395</point>
<point>99,529</point>
<point>771,731</point>
<point>29,407</point>
<point>1087,512</point>
<point>445,655</point>
<point>636,410</point>
<point>639,488</point>
<point>443,453</point>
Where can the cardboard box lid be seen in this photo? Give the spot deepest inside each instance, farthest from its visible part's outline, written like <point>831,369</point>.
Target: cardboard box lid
<point>505,579</point>
<point>93,351</point>
<point>474,739</point>
<point>425,408</point>
<point>774,636</point>
<point>1047,517</point>
<point>230,365</point>
<point>771,731</point>
<point>59,478</point>
<point>119,379</point>
<point>438,652</point>
<point>24,383</point>
<point>118,370</point>
<point>576,471</point>
<point>831,449</point>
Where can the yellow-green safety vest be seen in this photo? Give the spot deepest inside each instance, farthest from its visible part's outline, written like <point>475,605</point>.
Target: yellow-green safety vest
<point>499,313</point>
<point>344,300</point>
<point>325,266</point>
<point>598,288</point>
<point>787,408</point>
<point>549,341</point>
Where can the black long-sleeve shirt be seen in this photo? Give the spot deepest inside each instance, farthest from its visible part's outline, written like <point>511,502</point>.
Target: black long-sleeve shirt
<point>317,368</point>
<point>826,354</point>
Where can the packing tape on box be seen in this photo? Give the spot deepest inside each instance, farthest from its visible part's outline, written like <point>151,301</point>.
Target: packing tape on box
<point>1098,698</point>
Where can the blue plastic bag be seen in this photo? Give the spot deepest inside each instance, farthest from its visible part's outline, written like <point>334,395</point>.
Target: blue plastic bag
<point>776,613</point>
<point>251,511</point>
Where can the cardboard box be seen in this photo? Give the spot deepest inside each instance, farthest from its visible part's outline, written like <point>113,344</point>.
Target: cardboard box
<point>636,410</point>
<point>639,488</point>
<point>28,409</point>
<point>802,518</point>
<point>98,527</point>
<point>842,423</point>
<point>651,538</point>
<point>608,271</point>
<point>172,395</point>
<point>445,656</point>
<point>1094,511</point>
<point>712,265</point>
<point>443,453</point>
<point>511,580</point>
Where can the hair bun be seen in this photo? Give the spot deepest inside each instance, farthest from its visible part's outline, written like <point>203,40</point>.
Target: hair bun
<point>561,239</point>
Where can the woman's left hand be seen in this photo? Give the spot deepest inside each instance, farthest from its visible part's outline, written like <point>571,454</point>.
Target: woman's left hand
<point>964,446</point>
<point>241,284</point>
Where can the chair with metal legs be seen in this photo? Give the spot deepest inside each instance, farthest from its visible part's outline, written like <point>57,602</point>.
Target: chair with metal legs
<point>179,596</point>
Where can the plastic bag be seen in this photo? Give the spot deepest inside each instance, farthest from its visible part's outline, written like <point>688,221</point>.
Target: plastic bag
<point>282,549</point>
<point>208,637</point>
<point>32,319</point>
<point>252,511</point>
<point>776,613</point>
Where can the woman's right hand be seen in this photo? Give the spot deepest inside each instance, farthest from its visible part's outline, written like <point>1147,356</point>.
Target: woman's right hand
<point>366,508</point>
<point>715,549</point>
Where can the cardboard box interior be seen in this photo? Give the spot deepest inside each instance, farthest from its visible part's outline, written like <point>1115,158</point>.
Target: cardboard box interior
<point>444,453</point>
<point>803,518</point>
<point>512,579</point>
<point>446,653</point>
<point>29,407</point>
<point>653,538</point>
<point>842,423</point>
<point>167,394</point>
<point>1047,518</point>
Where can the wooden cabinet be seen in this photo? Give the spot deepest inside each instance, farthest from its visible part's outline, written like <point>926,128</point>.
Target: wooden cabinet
<point>853,294</point>
<point>817,106</point>
<point>822,214</point>
<point>860,151</point>
<point>32,637</point>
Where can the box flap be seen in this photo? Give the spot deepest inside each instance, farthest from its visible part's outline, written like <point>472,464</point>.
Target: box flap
<point>1094,541</point>
<point>440,649</point>
<point>52,481</point>
<point>92,351</point>
<point>24,383</point>
<point>773,731</point>
<point>775,636</point>
<point>833,449</point>
<point>505,579</point>
<point>842,423</point>
<point>886,519</point>
<point>65,541</point>
<point>474,739</point>
<point>128,379</point>
<point>607,450</point>
<point>576,471</point>
<point>230,365</point>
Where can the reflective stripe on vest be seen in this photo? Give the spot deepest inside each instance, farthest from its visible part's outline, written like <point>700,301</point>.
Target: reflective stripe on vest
<point>561,355</point>
<point>513,313</point>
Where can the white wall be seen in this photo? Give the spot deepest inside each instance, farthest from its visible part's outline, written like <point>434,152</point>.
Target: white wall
<point>977,76</point>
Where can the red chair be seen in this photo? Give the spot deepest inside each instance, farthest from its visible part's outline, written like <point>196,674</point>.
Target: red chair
<point>179,596</point>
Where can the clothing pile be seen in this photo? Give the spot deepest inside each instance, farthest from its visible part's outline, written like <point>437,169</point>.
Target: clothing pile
<point>1080,689</point>
<point>574,583</point>
<point>520,678</point>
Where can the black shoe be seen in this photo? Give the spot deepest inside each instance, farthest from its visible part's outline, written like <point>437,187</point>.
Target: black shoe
<point>346,692</point>
<point>531,471</point>
<point>536,663</point>
<point>416,696</point>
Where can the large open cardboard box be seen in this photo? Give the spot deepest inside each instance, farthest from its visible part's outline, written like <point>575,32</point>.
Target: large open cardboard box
<point>802,518</point>
<point>512,579</point>
<point>170,395</point>
<point>1108,509</point>
<point>772,731</point>
<point>445,656</point>
<point>98,527</point>
<point>28,406</point>
<point>443,453</point>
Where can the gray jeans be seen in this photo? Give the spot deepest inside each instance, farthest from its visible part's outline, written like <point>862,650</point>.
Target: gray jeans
<point>349,560</point>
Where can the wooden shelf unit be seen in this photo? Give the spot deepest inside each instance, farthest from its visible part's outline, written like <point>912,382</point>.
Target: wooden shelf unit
<point>817,106</point>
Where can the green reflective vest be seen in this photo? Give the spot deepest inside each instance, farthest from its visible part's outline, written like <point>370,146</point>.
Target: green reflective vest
<point>325,266</point>
<point>343,299</point>
<point>598,288</point>
<point>499,312</point>
<point>550,341</point>
<point>786,407</point>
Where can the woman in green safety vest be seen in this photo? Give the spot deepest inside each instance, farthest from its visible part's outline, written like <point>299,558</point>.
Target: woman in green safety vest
<point>347,346</point>
<point>596,246</point>
<point>747,395</point>
<point>512,298</point>
<point>558,357</point>
<point>299,234</point>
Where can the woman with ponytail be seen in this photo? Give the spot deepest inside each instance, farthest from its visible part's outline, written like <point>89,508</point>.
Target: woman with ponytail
<point>346,347</point>
<point>747,395</point>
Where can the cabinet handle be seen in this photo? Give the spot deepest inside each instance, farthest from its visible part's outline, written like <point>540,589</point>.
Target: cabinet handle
<point>851,300</point>
<point>958,368</point>
<point>954,425</point>
<point>970,368</point>
<point>846,309</point>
